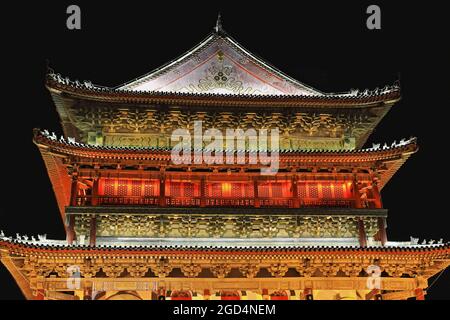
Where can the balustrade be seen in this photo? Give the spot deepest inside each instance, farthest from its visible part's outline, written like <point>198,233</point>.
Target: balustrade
<point>89,200</point>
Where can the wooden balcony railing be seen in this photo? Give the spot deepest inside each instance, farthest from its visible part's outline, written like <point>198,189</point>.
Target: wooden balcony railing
<point>215,202</point>
<point>276,202</point>
<point>342,203</point>
<point>182,202</point>
<point>115,200</point>
<point>230,202</point>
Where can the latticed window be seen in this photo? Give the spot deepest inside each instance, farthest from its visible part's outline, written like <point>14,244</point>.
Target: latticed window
<point>326,191</point>
<point>109,187</point>
<point>236,190</point>
<point>277,190</point>
<point>249,191</point>
<point>188,190</point>
<point>216,190</point>
<point>175,189</point>
<point>149,189</point>
<point>136,187</point>
<point>129,187</point>
<point>313,191</point>
<point>122,188</point>
<point>339,191</point>
<point>301,190</point>
<point>264,190</point>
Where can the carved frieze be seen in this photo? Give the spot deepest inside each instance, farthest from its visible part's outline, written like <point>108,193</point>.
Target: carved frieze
<point>144,126</point>
<point>238,226</point>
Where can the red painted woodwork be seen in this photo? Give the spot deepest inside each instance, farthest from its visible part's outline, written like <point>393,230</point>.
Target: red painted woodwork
<point>181,295</point>
<point>229,295</point>
<point>420,294</point>
<point>40,294</point>
<point>201,193</point>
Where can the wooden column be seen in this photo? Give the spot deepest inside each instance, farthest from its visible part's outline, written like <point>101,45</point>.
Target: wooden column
<point>255,192</point>
<point>382,230</point>
<point>93,232</point>
<point>356,195</point>
<point>362,233</point>
<point>202,191</point>
<point>70,230</point>
<point>377,195</point>
<point>94,199</point>
<point>162,189</point>
<point>74,190</point>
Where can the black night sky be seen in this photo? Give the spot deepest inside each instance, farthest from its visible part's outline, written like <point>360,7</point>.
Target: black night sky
<point>324,45</point>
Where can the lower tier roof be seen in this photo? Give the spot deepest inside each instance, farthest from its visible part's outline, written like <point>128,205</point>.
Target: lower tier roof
<point>151,246</point>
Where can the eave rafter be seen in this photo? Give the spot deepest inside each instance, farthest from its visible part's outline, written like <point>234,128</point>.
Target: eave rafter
<point>65,88</point>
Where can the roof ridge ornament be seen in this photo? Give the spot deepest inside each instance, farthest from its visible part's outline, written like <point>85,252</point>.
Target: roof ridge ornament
<point>218,28</point>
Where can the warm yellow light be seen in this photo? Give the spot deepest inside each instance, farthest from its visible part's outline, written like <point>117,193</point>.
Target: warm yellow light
<point>226,188</point>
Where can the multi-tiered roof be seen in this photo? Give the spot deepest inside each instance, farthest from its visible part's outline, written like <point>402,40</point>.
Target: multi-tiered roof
<point>131,214</point>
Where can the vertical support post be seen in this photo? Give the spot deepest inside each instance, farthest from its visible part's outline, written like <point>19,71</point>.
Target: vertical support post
<point>203,191</point>
<point>162,188</point>
<point>74,189</point>
<point>377,195</point>
<point>70,229</point>
<point>70,233</point>
<point>356,195</point>
<point>265,294</point>
<point>94,199</point>
<point>255,192</point>
<point>93,232</point>
<point>362,233</point>
<point>382,230</point>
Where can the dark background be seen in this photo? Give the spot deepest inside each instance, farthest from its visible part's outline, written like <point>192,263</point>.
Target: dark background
<point>323,44</point>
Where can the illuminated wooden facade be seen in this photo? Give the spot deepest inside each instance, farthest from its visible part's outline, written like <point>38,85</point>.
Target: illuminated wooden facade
<point>141,227</point>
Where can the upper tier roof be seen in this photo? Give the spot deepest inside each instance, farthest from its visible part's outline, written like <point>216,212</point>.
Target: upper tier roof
<point>219,67</point>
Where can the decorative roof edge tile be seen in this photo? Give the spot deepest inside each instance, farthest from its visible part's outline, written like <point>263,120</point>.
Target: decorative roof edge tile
<point>42,246</point>
<point>88,90</point>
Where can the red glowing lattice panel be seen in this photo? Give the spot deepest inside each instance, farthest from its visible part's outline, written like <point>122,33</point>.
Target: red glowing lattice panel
<point>325,190</point>
<point>128,187</point>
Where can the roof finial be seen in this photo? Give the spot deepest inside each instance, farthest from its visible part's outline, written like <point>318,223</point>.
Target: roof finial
<point>218,27</point>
